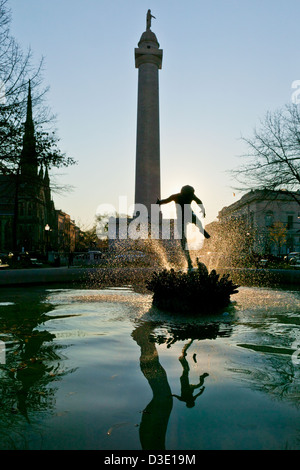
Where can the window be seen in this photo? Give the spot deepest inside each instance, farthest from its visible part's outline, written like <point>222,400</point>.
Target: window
<point>251,219</point>
<point>21,209</point>
<point>29,209</point>
<point>269,218</point>
<point>290,222</point>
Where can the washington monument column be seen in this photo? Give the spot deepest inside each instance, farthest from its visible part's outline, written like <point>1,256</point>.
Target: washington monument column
<point>148,59</point>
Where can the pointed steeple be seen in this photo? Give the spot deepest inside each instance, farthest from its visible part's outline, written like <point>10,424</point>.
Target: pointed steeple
<point>29,164</point>
<point>29,119</point>
<point>47,185</point>
<point>46,177</point>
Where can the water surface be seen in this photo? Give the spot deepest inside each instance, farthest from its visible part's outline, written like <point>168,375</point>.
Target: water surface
<point>102,369</point>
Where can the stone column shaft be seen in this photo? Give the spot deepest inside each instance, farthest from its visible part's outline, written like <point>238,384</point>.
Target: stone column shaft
<point>147,180</point>
<point>147,184</point>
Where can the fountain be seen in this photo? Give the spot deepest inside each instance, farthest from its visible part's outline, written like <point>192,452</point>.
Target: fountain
<point>105,369</point>
<point>195,291</point>
<point>136,359</point>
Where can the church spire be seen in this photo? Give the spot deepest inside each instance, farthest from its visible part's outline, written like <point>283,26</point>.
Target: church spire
<point>47,185</point>
<point>46,177</point>
<point>29,165</point>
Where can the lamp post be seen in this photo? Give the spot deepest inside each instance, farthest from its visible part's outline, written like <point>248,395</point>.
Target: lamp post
<point>47,230</point>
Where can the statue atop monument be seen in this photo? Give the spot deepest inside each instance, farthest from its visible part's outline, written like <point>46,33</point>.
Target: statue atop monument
<point>149,19</point>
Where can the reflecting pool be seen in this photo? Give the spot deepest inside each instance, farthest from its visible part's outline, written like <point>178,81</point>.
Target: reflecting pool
<point>102,369</point>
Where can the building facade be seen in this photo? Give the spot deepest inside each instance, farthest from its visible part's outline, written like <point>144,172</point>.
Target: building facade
<point>272,218</point>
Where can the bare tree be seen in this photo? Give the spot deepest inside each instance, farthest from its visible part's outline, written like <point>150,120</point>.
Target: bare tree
<point>16,69</point>
<point>273,160</point>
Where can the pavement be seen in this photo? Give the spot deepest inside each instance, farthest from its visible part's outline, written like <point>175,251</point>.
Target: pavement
<point>135,275</point>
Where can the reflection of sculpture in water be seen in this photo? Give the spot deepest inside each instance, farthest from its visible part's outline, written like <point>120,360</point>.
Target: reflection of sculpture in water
<point>156,415</point>
<point>187,389</point>
<point>185,214</point>
<point>149,18</point>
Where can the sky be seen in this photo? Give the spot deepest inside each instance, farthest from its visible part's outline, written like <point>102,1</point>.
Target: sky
<point>226,63</point>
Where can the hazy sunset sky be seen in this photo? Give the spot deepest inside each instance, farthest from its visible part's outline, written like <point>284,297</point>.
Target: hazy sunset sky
<point>225,64</point>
